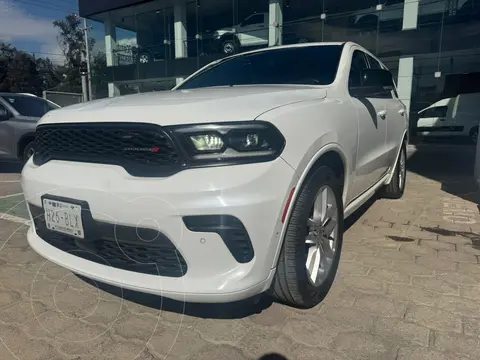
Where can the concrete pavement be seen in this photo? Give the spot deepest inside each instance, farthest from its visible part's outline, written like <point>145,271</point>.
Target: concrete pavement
<point>408,287</point>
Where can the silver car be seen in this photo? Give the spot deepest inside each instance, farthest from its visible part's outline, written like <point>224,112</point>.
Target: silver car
<point>19,114</point>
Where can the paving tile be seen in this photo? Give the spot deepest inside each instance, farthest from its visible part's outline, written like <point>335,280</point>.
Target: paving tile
<point>380,305</point>
<point>389,276</point>
<point>399,331</point>
<point>426,354</point>
<point>359,345</point>
<point>210,352</point>
<point>456,343</point>
<point>457,256</point>
<point>433,318</point>
<point>436,285</point>
<point>310,333</point>
<point>436,263</point>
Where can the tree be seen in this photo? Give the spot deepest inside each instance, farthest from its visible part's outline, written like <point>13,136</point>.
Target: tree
<point>72,42</point>
<point>51,75</point>
<point>18,71</point>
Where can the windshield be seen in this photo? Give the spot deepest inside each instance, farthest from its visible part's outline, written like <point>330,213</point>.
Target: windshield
<point>309,65</point>
<point>30,105</point>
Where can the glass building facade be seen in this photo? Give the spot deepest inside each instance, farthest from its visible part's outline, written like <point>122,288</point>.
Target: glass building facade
<point>431,46</point>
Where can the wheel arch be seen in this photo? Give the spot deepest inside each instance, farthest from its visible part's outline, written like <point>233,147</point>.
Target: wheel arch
<point>22,143</point>
<point>392,170</point>
<point>332,155</point>
<point>229,36</point>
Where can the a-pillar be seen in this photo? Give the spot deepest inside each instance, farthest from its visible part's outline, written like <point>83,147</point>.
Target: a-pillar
<point>275,22</point>
<point>110,47</point>
<point>180,32</point>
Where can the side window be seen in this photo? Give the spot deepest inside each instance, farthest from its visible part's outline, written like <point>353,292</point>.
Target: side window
<point>439,111</point>
<point>254,19</point>
<point>359,63</point>
<point>374,64</point>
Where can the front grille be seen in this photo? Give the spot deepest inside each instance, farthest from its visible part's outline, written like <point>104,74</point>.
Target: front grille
<point>117,246</point>
<point>141,149</point>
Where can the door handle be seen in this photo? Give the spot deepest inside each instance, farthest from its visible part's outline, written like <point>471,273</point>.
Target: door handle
<point>401,112</point>
<point>382,113</point>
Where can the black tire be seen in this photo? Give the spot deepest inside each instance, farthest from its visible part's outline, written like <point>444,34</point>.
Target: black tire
<point>396,188</point>
<point>291,285</point>
<point>473,135</point>
<point>229,47</point>
<point>28,151</point>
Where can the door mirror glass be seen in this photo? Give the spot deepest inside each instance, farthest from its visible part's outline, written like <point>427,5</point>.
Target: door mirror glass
<point>374,82</point>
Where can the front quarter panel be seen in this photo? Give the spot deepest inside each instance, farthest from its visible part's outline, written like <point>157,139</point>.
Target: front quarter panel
<point>314,127</point>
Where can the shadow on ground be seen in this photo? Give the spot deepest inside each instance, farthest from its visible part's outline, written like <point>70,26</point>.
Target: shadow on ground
<point>450,164</point>
<point>234,310</point>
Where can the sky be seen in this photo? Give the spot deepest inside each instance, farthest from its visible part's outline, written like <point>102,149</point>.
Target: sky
<point>27,24</point>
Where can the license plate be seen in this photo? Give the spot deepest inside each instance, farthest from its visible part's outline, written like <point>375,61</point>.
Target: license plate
<point>63,217</point>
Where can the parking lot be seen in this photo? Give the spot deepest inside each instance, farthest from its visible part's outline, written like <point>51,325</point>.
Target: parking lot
<point>408,287</point>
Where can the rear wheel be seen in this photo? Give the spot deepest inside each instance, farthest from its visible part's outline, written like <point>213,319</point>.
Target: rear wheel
<point>396,188</point>
<point>311,249</point>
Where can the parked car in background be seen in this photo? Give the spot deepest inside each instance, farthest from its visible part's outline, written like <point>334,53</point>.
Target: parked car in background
<point>251,33</point>
<point>234,184</point>
<point>19,114</point>
<point>451,117</point>
<point>392,12</point>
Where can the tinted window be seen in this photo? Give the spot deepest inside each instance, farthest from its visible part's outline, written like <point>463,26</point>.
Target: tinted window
<point>359,63</point>
<point>29,105</point>
<point>374,64</point>
<point>255,19</point>
<point>309,65</point>
<point>439,111</point>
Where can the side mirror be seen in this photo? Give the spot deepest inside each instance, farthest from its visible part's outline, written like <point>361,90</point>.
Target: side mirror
<point>374,82</point>
<point>4,115</point>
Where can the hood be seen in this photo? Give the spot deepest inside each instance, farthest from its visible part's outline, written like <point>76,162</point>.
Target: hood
<point>207,105</point>
<point>443,102</point>
<point>230,29</point>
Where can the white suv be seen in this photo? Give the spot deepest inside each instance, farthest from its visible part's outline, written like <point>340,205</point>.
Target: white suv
<point>233,184</point>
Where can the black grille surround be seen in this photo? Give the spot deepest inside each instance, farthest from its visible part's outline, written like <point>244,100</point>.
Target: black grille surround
<point>128,248</point>
<point>142,149</point>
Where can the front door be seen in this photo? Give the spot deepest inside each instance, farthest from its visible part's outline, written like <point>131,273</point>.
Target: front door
<point>371,162</point>
<point>253,31</point>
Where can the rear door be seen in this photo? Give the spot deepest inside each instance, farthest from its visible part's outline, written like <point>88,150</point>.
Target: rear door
<point>371,160</point>
<point>396,117</point>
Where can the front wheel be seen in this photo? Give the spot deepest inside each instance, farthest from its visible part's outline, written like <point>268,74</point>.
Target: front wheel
<point>311,248</point>
<point>396,188</point>
<point>474,135</point>
<point>229,47</point>
<point>28,151</point>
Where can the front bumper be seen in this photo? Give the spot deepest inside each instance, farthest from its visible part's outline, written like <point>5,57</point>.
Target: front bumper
<point>254,194</point>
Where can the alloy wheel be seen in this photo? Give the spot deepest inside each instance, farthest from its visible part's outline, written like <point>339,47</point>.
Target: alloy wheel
<point>143,59</point>
<point>321,241</point>
<point>401,170</point>
<point>228,48</point>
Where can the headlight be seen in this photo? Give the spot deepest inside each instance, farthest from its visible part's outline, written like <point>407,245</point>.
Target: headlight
<point>232,143</point>
<point>216,35</point>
